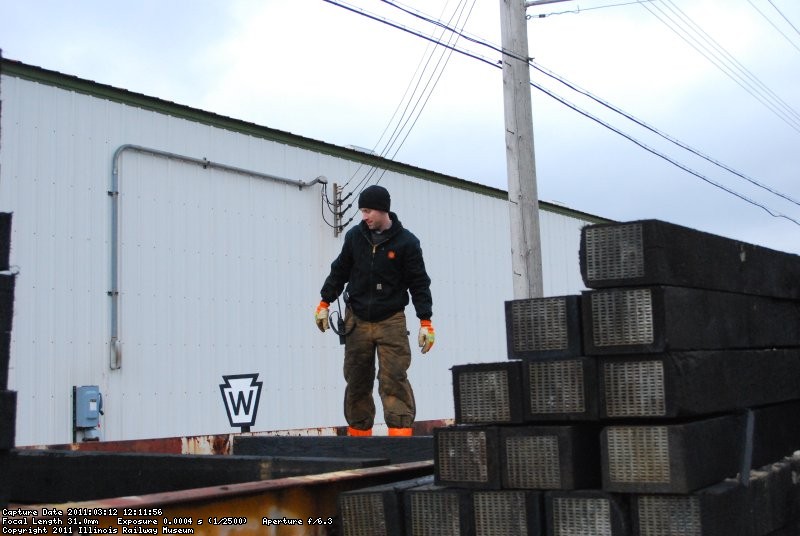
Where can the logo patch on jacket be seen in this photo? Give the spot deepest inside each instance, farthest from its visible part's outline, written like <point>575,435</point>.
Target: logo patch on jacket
<point>391,254</point>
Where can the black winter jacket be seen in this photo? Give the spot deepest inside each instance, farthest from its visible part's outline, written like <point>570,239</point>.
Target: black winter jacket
<point>379,278</point>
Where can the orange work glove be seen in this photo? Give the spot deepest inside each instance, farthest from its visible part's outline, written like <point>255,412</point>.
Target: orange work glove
<point>321,316</point>
<point>427,336</point>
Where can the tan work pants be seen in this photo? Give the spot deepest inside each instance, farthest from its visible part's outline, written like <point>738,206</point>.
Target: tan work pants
<point>390,338</point>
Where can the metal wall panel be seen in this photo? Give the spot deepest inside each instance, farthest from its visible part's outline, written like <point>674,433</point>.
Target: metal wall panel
<point>219,271</point>
<point>559,256</point>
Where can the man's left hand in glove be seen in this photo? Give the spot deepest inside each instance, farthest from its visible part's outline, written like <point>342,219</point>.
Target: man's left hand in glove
<point>427,336</point>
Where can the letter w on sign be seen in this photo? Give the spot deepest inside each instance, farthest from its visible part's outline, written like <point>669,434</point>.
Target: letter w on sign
<point>241,393</point>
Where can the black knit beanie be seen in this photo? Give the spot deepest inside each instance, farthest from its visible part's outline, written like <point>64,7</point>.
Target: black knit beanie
<point>375,197</point>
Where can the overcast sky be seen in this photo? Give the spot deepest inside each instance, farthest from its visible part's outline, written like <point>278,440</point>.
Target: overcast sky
<point>318,70</point>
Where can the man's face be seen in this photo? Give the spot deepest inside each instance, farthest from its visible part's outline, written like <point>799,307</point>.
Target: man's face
<point>376,220</point>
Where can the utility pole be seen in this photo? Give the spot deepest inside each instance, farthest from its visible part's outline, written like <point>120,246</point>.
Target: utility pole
<point>526,247</point>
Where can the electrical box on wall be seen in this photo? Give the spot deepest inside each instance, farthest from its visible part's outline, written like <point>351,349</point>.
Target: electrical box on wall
<point>86,410</point>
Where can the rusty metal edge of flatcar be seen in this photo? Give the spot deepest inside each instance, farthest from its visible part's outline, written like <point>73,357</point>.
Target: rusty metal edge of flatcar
<point>279,496</point>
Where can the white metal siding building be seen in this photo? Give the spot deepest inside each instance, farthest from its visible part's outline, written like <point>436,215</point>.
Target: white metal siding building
<point>217,271</point>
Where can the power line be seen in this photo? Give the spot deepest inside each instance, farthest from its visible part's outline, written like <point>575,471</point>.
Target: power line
<point>407,98</point>
<point>614,109</point>
<point>324,199</point>
<point>744,70</point>
<point>425,93</point>
<point>414,103</point>
<point>664,156</point>
<point>440,71</point>
<point>569,105</point>
<point>773,25</point>
<point>580,9</point>
<point>734,69</point>
<point>729,67</point>
<point>663,135</point>
<point>786,19</point>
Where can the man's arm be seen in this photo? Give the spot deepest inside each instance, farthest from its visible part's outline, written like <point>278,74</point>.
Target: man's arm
<point>419,284</point>
<point>339,274</point>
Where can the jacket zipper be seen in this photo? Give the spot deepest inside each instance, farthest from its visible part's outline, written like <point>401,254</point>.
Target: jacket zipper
<point>371,280</point>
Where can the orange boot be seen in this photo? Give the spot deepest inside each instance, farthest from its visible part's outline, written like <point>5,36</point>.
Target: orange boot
<point>401,432</point>
<point>358,433</point>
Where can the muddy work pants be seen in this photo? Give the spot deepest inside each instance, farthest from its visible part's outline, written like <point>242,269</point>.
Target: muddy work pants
<point>390,339</point>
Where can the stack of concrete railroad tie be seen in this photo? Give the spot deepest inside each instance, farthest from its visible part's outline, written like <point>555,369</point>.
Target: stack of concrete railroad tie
<point>8,399</point>
<point>663,401</point>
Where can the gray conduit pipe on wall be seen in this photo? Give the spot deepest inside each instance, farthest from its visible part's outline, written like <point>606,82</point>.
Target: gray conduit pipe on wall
<point>115,346</point>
